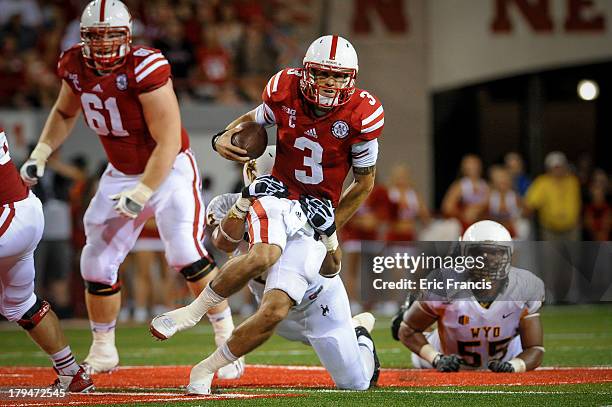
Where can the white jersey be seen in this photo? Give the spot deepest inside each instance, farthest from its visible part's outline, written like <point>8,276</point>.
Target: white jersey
<point>479,334</point>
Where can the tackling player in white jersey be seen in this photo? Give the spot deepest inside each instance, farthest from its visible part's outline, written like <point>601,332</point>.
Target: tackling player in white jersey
<point>320,316</point>
<point>498,329</point>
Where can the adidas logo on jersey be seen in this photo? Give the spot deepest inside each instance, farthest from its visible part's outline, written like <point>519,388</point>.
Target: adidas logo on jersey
<point>97,88</point>
<point>312,133</point>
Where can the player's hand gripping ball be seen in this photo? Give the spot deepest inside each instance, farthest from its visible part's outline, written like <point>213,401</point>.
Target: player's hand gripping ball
<point>320,214</point>
<point>265,185</point>
<point>251,137</point>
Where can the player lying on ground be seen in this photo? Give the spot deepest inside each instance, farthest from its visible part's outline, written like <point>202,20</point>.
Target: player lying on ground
<point>325,126</point>
<point>498,329</point>
<point>21,227</point>
<point>311,303</point>
<point>126,95</point>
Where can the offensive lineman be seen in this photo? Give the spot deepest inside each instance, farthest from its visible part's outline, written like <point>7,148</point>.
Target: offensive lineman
<point>126,96</point>
<point>21,227</point>
<point>498,329</point>
<point>325,126</point>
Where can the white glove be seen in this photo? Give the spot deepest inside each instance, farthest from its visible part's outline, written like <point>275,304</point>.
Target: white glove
<point>130,202</point>
<point>265,185</point>
<point>219,206</point>
<point>34,168</point>
<point>322,218</point>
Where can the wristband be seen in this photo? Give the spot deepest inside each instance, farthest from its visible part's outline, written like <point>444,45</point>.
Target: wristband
<point>240,209</point>
<point>215,137</point>
<point>141,193</point>
<point>429,354</point>
<point>518,364</point>
<point>330,242</point>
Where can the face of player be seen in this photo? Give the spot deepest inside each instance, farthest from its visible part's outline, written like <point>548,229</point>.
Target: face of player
<point>496,259</point>
<point>328,88</point>
<point>105,47</point>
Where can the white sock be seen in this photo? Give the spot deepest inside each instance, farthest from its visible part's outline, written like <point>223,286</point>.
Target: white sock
<point>222,324</point>
<point>366,347</point>
<point>221,357</point>
<point>206,300</point>
<point>103,331</point>
<point>64,362</point>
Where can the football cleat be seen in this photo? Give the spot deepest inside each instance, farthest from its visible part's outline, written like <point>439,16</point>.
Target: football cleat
<point>362,331</point>
<point>365,319</point>
<point>79,383</point>
<point>164,326</point>
<point>233,371</point>
<point>200,380</point>
<point>102,358</point>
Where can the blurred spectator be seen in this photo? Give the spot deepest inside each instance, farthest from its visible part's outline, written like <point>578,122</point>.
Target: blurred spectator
<point>520,180</point>
<point>179,53</point>
<point>12,71</point>
<point>505,205</point>
<point>256,59</point>
<point>406,206</point>
<point>466,199</point>
<point>598,212</point>
<point>25,36</point>
<point>364,226</point>
<point>28,11</point>
<point>556,197</point>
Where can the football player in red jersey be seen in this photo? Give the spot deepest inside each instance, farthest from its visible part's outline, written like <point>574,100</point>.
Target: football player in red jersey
<point>21,227</point>
<point>126,96</point>
<point>325,127</point>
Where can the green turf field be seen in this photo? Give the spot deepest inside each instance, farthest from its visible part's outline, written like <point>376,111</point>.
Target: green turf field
<point>574,336</point>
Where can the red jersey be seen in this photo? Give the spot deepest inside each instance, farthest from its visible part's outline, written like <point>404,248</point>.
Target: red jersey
<point>314,154</point>
<point>13,189</point>
<point>111,106</point>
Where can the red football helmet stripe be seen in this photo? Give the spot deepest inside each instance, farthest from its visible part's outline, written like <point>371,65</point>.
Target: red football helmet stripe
<point>102,6</point>
<point>334,45</point>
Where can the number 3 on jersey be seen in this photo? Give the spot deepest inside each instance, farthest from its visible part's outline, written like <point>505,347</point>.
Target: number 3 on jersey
<point>92,109</point>
<point>312,161</point>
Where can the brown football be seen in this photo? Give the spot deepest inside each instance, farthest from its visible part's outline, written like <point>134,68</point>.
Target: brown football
<point>252,137</point>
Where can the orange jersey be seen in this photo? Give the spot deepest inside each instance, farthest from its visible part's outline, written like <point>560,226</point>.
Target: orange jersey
<point>111,106</point>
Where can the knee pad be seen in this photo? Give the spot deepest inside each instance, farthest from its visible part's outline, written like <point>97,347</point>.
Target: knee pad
<point>34,315</point>
<point>199,269</point>
<point>102,289</point>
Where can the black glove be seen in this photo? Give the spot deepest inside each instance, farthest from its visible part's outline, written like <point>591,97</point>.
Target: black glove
<point>396,321</point>
<point>447,363</point>
<point>320,214</point>
<point>498,366</point>
<point>265,185</point>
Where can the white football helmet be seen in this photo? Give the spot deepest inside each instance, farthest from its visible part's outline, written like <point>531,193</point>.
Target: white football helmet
<point>333,55</point>
<point>259,166</point>
<point>494,242</point>
<point>106,33</point>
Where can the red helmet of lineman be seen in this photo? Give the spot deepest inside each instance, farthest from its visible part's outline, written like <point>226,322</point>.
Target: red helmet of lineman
<point>336,57</point>
<point>106,33</point>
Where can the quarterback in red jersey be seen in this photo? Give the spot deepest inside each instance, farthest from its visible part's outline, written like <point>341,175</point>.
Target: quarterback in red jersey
<point>21,227</point>
<point>125,93</point>
<point>325,127</point>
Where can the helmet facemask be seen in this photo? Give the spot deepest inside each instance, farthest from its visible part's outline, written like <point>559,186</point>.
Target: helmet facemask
<point>105,48</point>
<point>321,94</point>
<point>496,257</point>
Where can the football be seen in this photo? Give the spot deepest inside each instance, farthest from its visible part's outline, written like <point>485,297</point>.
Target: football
<point>252,137</point>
